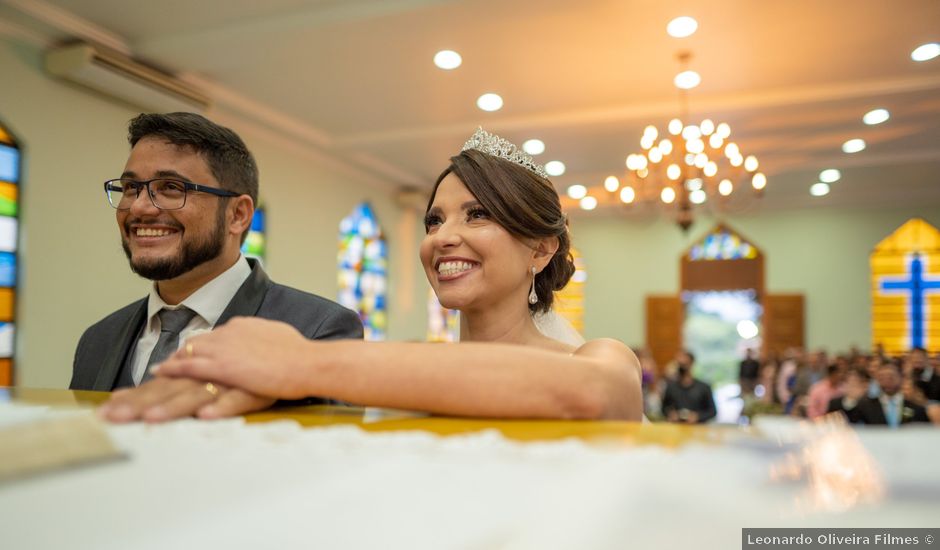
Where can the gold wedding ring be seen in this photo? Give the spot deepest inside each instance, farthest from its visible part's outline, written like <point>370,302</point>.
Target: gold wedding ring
<point>212,388</point>
<point>189,349</point>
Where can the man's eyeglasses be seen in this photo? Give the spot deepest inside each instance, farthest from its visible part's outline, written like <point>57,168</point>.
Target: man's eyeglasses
<point>165,194</point>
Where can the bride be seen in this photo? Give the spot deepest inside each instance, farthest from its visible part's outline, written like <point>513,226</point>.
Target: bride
<point>496,248</point>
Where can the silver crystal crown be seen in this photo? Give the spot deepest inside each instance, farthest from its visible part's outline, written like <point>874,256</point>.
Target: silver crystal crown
<point>491,144</point>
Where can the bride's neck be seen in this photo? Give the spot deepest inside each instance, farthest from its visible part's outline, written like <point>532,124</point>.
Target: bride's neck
<point>508,327</point>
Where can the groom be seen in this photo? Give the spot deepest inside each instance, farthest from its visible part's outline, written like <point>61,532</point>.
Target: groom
<point>184,205</point>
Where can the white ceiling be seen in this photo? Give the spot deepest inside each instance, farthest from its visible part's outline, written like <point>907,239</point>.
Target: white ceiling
<point>355,79</point>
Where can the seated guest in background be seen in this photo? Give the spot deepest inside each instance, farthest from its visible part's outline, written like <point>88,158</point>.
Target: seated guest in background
<point>874,365</point>
<point>824,391</point>
<point>496,248</point>
<point>925,373</point>
<point>890,408</point>
<point>748,372</point>
<point>687,399</point>
<point>184,205</point>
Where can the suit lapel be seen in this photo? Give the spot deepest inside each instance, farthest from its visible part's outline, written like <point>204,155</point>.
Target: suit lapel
<point>249,297</point>
<point>116,353</point>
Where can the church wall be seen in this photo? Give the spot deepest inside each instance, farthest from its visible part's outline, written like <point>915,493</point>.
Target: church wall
<point>821,253</point>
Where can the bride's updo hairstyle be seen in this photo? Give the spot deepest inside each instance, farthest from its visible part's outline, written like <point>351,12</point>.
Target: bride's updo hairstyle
<point>524,204</point>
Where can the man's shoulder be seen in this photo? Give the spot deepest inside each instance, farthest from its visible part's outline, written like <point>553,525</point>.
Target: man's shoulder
<point>119,318</point>
<point>313,315</point>
<point>279,293</point>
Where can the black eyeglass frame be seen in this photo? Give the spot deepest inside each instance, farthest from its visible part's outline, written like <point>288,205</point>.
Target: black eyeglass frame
<point>187,187</point>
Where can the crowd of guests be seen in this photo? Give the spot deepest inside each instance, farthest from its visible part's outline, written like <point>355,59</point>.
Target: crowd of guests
<point>867,388</point>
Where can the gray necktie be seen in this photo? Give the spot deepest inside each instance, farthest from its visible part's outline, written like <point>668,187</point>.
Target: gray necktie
<point>172,321</point>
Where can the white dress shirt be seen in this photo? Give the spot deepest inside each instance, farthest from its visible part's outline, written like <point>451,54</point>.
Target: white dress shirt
<point>208,302</point>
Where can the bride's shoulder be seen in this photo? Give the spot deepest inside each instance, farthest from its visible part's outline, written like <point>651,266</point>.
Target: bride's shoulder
<point>609,348</point>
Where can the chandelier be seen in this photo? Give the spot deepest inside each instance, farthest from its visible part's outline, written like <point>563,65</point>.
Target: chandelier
<point>683,166</point>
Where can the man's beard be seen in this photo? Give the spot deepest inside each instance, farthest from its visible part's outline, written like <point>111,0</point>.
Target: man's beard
<point>192,254</point>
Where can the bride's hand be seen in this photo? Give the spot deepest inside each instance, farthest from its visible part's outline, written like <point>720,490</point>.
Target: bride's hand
<point>260,356</point>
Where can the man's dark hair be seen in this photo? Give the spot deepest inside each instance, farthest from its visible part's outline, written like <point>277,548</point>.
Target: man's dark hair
<point>226,154</point>
<point>691,356</point>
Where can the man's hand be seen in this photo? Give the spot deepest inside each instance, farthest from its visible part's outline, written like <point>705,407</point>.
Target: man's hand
<point>163,399</point>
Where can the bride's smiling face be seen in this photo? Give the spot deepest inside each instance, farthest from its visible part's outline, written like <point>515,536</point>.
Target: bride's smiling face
<point>470,260</point>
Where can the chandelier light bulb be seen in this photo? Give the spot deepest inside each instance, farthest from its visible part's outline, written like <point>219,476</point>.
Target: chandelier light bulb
<point>665,146</point>
<point>627,195</point>
<point>710,169</point>
<point>731,150</point>
<point>611,183</point>
<point>750,163</point>
<point>926,52</point>
<point>447,59</point>
<point>555,167</point>
<point>673,172</point>
<point>686,80</point>
<point>715,141</point>
<point>534,147</point>
<point>675,126</point>
<point>655,155</point>
<point>723,130</point>
<point>695,145</point>
<point>577,191</point>
<point>701,160</point>
<point>736,161</point>
<point>690,159</point>
<point>691,132</point>
<point>682,27</point>
<point>698,196</point>
<point>876,116</point>
<point>853,145</point>
<point>820,189</point>
<point>651,131</point>
<point>725,187</point>
<point>830,175</point>
<point>759,181</point>
<point>588,203</point>
<point>642,173</point>
<point>707,126</point>
<point>693,184</point>
<point>668,195</point>
<point>490,102</point>
<point>647,141</point>
<point>641,162</point>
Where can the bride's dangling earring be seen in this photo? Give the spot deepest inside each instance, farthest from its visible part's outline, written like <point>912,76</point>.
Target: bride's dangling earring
<point>533,297</point>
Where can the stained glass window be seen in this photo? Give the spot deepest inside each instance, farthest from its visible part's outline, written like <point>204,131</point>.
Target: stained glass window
<point>363,270</point>
<point>723,244</point>
<point>905,277</point>
<point>255,245</point>
<point>443,323</point>
<point>569,301</point>
<point>10,165</point>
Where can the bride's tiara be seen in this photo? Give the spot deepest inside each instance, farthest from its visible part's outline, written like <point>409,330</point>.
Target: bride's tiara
<point>491,144</point>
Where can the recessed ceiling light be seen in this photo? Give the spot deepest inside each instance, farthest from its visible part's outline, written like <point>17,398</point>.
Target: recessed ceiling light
<point>830,175</point>
<point>577,191</point>
<point>555,167</point>
<point>926,52</point>
<point>876,116</point>
<point>687,80</point>
<point>588,203</point>
<point>819,189</point>
<point>681,27</point>
<point>447,59</point>
<point>534,147</point>
<point>853,145</point>
<point>490,102</point>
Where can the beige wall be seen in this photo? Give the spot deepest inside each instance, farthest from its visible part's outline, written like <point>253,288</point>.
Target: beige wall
<point>822,253</point>
<point>73,271</point>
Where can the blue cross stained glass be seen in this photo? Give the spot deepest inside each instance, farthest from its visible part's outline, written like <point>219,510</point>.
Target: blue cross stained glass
<point>917,286</point>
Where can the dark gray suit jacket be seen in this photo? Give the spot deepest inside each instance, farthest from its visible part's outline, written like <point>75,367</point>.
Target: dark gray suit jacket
<point>103,348</point>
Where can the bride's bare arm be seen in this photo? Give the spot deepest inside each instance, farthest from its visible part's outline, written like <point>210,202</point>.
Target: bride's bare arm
<point>600,380</point>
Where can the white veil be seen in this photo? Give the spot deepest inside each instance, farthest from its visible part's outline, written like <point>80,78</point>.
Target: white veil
<point>556,327</point>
